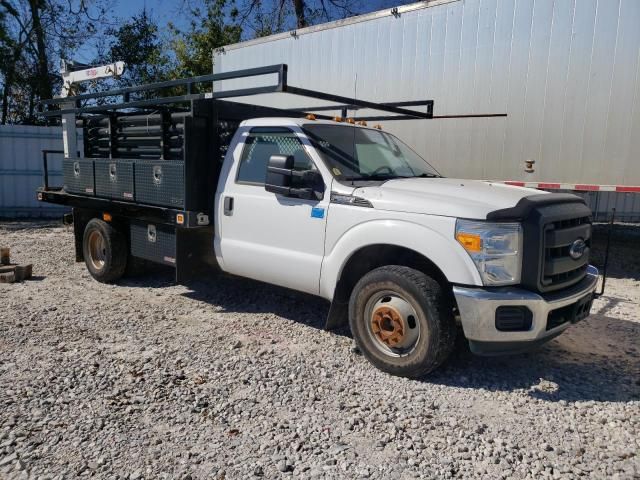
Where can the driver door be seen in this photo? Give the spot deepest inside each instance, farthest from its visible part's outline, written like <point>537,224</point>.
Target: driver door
<point>263,235</point>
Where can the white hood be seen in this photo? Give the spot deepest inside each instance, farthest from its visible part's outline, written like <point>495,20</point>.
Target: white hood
<point>448,197</point>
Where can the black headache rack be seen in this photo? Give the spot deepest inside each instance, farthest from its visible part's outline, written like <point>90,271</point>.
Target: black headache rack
<point>166,151</point>
<point>156,159</point>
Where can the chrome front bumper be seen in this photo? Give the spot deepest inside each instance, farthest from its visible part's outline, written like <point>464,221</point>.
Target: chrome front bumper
<point>477,307</point>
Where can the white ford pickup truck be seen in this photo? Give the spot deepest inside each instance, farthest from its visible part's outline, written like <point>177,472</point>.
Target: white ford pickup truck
<point>354,215</point>
<point>339,210</point>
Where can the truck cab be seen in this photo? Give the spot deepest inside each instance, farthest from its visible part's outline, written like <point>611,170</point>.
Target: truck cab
<point>328,206</point>
<point>364,214</point>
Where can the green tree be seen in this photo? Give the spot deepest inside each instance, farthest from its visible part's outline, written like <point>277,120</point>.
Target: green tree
<point>264,18</point>
<point>211,27</point>
<point>36,34</point>
<point>137,43</point>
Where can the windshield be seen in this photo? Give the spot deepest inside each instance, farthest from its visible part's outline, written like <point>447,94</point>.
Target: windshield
<point>353,153</point>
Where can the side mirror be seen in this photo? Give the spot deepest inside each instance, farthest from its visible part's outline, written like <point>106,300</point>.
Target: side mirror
<point>281,175</point>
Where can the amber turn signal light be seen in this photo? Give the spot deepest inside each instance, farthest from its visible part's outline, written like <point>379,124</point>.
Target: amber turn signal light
<point>470,242</point>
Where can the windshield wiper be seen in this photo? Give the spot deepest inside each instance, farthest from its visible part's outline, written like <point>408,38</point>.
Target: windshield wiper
<point>387,176</point>
<point>426,175</point>
<point>377,176</point>
<point>422,175</point>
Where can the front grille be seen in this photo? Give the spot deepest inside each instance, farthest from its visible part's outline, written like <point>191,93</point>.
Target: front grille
<point>559,269</point>
<point>550,227</point>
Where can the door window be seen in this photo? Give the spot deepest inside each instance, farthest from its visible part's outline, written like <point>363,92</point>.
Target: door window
<point>261,144</point>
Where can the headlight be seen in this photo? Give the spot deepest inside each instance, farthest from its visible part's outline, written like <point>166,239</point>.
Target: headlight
<point>495,248</point>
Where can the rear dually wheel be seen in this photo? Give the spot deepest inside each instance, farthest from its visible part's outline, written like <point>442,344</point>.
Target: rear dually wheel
<point>105,251</point>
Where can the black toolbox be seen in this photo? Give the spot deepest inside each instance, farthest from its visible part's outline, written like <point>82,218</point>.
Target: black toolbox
<point>114,178</point>
<point>160,182</point>
<point>154,242</point>
<point>78,175</point>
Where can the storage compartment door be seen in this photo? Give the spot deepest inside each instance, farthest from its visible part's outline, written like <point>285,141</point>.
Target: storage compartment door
<point>160,182</point>
<point>154,242</point>
<point>114,179</point>
<point>78,176</point>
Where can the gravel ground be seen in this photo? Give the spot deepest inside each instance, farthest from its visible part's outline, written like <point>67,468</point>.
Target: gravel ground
<point>235,379</point>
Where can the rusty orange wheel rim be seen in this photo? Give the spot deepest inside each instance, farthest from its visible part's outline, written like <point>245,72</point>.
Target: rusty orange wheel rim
<point>392,323</point>
<point>387,326</point>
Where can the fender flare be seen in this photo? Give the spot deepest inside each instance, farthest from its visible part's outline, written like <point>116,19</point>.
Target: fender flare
<point>440,248</point>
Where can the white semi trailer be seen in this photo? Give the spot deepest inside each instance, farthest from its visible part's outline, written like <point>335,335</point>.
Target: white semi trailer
<point>566,72</point>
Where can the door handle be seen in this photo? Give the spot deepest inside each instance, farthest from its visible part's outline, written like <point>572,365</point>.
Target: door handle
<point>228,206</point>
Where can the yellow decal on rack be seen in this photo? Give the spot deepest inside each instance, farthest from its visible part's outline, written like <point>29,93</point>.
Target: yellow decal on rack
<point>336,171</point>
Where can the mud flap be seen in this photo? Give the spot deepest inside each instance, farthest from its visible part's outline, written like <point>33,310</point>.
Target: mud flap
<point>194,253</point>
<point>338,315</point>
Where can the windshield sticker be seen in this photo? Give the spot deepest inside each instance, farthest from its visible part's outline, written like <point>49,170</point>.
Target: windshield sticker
<point>336,171</point>
<point>317,212</point>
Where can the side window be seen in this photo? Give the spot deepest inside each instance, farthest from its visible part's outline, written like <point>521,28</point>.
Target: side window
<point>261,144</point>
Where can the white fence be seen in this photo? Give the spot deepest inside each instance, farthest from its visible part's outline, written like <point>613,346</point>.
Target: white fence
<point>21,170</point>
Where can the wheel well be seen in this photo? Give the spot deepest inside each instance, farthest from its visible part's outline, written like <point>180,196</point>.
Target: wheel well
<point>374,256</point>
<point>369,258</point>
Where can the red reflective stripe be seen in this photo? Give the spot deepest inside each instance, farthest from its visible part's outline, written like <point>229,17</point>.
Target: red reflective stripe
<point>588,188</point>
<point>622,188</point>
<point>576,187</point>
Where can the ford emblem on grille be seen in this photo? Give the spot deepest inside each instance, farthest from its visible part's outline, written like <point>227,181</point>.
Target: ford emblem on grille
<point>577,249</point>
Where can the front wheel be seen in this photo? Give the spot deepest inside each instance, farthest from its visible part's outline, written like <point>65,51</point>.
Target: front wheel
<point>401,321</point>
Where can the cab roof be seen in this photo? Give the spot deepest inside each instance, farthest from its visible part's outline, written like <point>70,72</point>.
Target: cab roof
<point>292,122</point>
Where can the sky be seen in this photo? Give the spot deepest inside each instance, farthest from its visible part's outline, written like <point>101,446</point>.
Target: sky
<point>161,10</point>
<point>164,11</point>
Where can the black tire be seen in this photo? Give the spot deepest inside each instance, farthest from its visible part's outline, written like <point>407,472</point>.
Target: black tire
<point>437,330</point>
<point>105,251</point>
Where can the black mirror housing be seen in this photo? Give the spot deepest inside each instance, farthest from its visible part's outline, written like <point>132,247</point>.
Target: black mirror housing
<point>279,174</point>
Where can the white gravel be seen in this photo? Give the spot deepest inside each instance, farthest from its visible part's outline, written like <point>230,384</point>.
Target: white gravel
<point>235,379</point>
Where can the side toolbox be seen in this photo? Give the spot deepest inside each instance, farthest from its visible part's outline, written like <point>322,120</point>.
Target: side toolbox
<point>154,242</point>
<point>78,175</point>
<point>160,182</point>
<point>114,178</point>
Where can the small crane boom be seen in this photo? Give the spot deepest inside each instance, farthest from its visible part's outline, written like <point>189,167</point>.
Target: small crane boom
<point>72,74</point>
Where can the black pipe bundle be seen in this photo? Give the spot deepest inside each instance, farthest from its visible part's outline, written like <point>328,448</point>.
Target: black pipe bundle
<point>153,136</point>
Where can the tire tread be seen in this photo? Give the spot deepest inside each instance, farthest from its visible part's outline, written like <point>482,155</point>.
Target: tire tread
<point>116,264</point>
<point>432,294</point>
